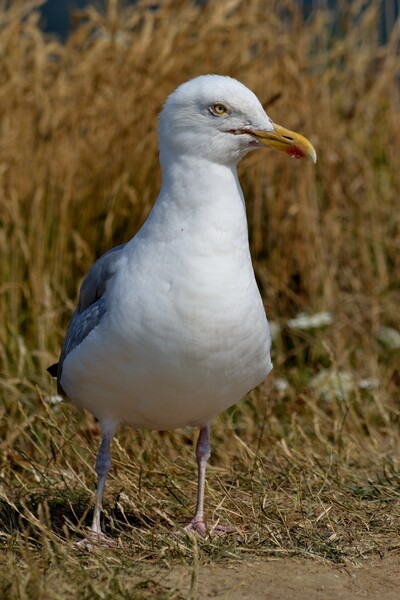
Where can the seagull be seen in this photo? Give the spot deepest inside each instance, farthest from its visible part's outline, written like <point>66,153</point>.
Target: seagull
<point>170,328</point>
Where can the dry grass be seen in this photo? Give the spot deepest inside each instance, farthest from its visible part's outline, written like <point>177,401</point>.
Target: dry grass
<point>79,172</point>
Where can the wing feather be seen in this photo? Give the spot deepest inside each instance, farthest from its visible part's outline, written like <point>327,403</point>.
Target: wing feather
<point>91,305</point>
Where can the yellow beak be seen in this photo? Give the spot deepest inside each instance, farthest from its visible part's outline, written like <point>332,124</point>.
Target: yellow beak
<point>292,143</point>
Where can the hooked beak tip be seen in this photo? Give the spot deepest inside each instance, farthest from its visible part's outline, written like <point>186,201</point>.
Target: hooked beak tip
<point>290,142</point>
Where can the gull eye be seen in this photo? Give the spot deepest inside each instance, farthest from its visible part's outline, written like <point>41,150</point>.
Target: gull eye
<point>219,109</point>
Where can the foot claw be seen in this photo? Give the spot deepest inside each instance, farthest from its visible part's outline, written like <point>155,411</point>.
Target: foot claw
<point>200,527</point>
<point>93,540</point>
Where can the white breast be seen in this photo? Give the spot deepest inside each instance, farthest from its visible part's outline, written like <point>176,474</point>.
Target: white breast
<point>185,333</point>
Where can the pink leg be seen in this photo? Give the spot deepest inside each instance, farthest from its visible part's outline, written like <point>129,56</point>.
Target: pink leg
<point>203,453</point>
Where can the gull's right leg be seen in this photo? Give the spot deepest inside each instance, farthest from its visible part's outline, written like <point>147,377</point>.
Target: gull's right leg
<point>103,466</point>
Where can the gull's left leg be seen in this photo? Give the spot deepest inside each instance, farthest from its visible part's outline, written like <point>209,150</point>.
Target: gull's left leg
<point>203,453</point>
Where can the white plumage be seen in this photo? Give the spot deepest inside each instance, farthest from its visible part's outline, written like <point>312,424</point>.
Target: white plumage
<point>170,329</point>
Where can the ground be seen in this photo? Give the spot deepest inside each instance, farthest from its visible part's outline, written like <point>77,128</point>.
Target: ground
<point>256,579</point>
<point>299,578</point>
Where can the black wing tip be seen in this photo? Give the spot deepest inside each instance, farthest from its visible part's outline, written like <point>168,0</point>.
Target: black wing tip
<point>53,370</point>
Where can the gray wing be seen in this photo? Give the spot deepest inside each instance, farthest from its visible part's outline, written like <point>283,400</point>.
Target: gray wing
<point>91,305</point>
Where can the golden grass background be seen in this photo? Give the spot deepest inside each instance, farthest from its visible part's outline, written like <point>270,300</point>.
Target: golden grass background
<point>79,173</point>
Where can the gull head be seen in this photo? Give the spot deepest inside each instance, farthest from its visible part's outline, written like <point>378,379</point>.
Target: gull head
<point>219,119</point>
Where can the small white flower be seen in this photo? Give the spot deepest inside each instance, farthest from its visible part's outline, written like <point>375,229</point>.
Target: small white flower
<point>56,399</point>
<point>389,337</point>
<point>280,384</point>
<point>333,385</point>
<point>274,329</point>
<point>370,383</point>
<point>303,321</point>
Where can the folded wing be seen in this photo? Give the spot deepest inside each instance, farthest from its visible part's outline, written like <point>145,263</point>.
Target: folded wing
<point>91,306</point>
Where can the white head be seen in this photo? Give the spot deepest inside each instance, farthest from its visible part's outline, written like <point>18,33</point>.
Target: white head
<point>221,120</point>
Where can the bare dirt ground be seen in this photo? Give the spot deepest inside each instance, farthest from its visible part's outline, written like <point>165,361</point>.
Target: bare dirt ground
<point>283,579</point>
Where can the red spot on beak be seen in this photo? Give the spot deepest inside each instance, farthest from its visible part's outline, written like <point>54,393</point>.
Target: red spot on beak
<point>295,152</point>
